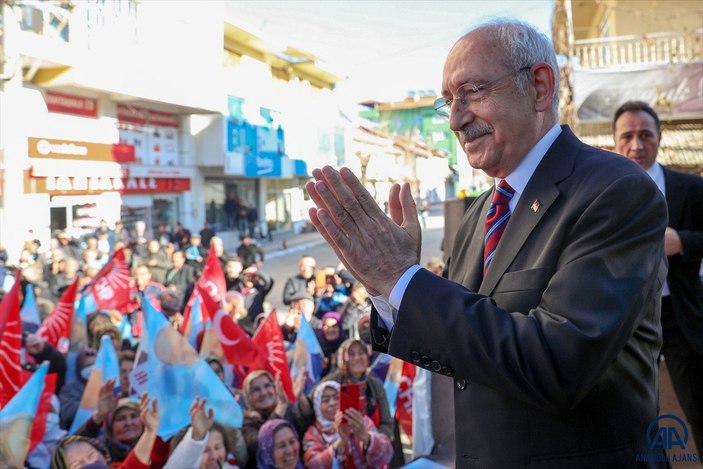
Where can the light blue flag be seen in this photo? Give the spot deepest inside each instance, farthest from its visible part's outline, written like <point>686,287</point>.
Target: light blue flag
<point>16,419</point>
<point>79,331</point>
<point>307,341</point>
<point>106,367</point>
<point>29,313</point>
<point>175,374</point>
<point>196,322</point>
<point>392,383</point>
<point>125,328</point>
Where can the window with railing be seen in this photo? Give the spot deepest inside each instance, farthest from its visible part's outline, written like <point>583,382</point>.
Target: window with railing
<point>110,20</point>
<point>655,48</point>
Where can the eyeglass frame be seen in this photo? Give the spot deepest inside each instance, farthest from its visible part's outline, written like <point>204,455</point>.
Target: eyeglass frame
<point>441,103</point>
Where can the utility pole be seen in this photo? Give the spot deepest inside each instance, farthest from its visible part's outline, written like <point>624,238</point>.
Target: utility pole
<point>563,39</point>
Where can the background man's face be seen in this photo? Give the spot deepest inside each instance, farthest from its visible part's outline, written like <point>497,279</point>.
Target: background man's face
<point>637,137</point>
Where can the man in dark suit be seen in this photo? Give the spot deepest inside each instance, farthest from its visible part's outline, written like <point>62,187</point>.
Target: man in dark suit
<point>637,134</point>
<point>552,339</point>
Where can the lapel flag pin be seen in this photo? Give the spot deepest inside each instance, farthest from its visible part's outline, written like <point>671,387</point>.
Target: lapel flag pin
<point>536,205</point>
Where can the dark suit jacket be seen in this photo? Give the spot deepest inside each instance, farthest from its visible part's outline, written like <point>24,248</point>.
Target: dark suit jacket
<point>181,278</point>
<point>684,198</point>
<point>554,352</point>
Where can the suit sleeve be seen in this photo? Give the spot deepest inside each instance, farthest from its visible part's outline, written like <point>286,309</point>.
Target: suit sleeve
<point>692,238</point>
<point>605,273</point>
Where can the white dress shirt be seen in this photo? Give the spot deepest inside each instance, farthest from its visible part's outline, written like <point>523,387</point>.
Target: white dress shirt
<point>656,172</point>
<point>388,307</point>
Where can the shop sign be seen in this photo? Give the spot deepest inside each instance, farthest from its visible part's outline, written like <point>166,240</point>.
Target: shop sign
<point>69,104</point>
<point>143,185</point>
<point>146,117</point>
<point>77,150</point>
<point>81,185</point>
<point>261,147</point>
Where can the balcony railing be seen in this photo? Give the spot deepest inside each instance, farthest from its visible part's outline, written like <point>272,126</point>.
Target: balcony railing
<point>647,49</point>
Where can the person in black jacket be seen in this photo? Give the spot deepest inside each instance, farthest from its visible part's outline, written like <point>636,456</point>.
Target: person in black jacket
<point>181,275</point>
<point>41,351</point>
<point>637,134</point>
<point>303,281</point>
<point>250,253</point>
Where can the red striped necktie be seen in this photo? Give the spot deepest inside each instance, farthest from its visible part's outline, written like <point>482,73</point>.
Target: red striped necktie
<point>496,221</point>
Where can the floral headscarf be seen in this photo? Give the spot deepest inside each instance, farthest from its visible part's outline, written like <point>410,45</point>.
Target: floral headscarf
<point>264,452</point>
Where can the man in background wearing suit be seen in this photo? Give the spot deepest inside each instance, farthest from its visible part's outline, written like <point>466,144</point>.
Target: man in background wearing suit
<point>552,337</point>
<point>637,134</point>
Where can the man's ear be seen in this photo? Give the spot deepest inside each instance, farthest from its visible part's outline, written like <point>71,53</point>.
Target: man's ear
<point>543,84</point>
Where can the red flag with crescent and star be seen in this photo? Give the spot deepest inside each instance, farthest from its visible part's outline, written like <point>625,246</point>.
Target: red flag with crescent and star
<point>213,279</point>
<point>269,337</point>
<point>56,328</point>
<point>111,286</point>
<point>237,345</point>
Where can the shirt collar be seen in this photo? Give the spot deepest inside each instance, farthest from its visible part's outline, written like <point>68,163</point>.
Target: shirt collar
<point>521,175</point>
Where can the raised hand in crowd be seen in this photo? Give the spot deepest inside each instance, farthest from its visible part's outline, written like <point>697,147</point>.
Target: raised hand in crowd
<point>107,402</point>
<point>150,418</point>
<point>282,404</point>
<point>201,421</point>
<point>351,422</point>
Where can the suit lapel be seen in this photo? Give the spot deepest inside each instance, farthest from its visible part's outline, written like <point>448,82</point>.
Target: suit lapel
<point>540,193</point>
<point>675,197</point>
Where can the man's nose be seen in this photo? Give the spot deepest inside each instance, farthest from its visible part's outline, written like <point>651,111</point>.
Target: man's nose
<point>459,117</point>
<point>636,144</point>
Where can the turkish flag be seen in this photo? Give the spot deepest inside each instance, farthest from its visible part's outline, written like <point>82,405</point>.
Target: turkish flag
<point>111,286</point>
<point>39,424</point>
<point>10,344</point>
<point>270,338</point>
<point>56,328</point>
<point>213,280</point>
<point>404,406</point>
<point>237,345</point>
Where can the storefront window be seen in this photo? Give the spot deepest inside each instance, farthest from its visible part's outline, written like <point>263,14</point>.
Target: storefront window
<point>165,211</point>
<point>216,192</point>
<point>131,215</point>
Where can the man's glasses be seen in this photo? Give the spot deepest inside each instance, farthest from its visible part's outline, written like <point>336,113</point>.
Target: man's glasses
<point>469,94</point>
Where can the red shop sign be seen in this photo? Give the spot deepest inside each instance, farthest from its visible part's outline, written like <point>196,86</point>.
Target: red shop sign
<point>69,104</point>
<point>144,185</point>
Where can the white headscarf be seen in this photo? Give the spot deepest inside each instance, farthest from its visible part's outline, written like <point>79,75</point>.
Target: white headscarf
<point>326,425</point>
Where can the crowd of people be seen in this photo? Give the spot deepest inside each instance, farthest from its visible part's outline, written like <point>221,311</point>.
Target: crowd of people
<point>309,431</point>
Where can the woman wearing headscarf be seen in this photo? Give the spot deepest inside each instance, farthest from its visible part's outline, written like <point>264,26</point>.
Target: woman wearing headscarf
<point>349,438</point>
<point>353,366</point>
<point>330,335</point>
<point>279,446</point>
<point>80,451</point>
<point>130,429</point>
<point>266,400</point>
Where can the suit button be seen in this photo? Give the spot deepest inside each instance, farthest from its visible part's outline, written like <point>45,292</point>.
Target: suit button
<point>415,357</point>
<point>461,384</point>
<point>447,371</point>
<point>425,361</point>
<point>436,366</point>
